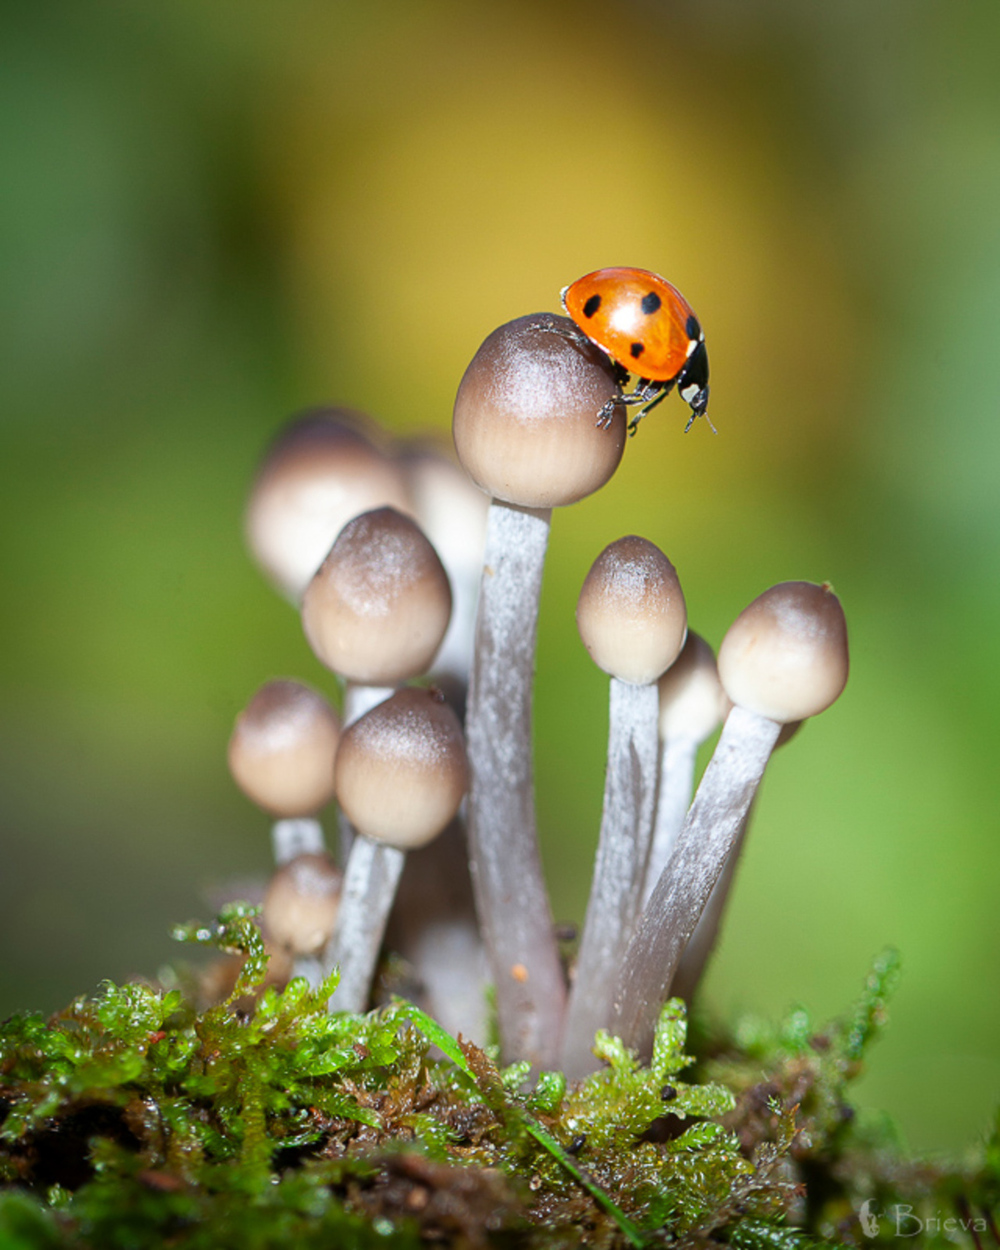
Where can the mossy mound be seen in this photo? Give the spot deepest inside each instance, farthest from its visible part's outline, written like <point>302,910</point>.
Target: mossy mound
<point>132,1119</point>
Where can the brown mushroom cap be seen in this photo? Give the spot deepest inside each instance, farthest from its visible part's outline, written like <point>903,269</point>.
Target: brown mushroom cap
<point>401,770</point>
<point>301,903</point>
<point>785,656</point>
<point>324,468</point>
<point>692,701</point>
<point>282,749</point>
<point>631,613</point>
<point>526,411</point>
<point>379,605</point>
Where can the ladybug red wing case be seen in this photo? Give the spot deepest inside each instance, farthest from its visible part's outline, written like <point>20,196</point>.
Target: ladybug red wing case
<point>648,328</point>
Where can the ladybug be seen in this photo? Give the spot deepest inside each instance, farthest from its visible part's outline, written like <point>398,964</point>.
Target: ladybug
<point>648,329</point>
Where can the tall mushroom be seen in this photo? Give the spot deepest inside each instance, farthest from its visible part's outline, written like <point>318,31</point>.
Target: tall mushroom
<point>525,431</point>
<point>401,773</point>
<point>632,619</point>
<point>783,659</point>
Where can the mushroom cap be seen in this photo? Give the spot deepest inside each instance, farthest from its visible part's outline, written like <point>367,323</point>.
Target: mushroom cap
<point>631,613</point>
<point>325,467</point>
<point>282,749</point>
<point>525,422</point>
<point>378,607</point>
<point>785,655</point>
<point>692,701</point>
<point>401,770</point>
<point>301,903</point>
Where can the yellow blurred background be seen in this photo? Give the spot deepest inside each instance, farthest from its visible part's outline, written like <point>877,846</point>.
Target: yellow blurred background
<point>216,214</point>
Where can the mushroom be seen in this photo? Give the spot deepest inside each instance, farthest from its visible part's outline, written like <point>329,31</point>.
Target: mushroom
<point>378,606</point>
<point>783,659</point>
<point>692,706</point>
<point>324,468</point>
<point>401,774</point>
<point>632,619</point>
<point>525,432</point>
<point>300,910</point>
<point>281,756</point>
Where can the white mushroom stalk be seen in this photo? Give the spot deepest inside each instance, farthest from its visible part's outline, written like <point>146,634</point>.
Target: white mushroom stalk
<point>692,706</point>
<point>525,432</point>
<point>632,619</point>
<point>783,659</point>
<point>401,773</point>
<point>281,756</point>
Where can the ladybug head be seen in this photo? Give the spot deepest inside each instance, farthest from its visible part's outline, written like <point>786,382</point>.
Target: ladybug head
<point>692,382</point>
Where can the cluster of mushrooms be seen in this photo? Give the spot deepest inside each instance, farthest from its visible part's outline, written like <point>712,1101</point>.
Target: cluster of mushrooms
<point>408,570</point>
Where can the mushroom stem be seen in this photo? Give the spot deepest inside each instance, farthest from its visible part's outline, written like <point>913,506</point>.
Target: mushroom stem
<point>623,846</point>
<point>699,949</point>
<point>296,837</point>
<point>677,766</point>
<point>359,698</point>
<point>511,898</point>
<point>370,881</point>
<point>708,835</point>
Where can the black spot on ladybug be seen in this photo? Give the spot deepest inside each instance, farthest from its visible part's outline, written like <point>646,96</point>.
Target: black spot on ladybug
<point>636,350</point>
<point>591,305</point>
<point>651,303</point>
<point>692,329</point>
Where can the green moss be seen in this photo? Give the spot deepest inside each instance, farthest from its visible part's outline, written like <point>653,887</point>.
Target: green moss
<point>131,1119</point>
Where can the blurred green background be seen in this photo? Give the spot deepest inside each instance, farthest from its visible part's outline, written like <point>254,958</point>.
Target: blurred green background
<point>215,214</point>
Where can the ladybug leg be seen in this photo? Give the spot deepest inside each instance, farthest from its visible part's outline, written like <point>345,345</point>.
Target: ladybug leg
<point>649,396</point>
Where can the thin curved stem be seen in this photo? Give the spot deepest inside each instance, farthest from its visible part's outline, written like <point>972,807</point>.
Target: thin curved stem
<point>699,949</point>
<point>619,868</point>
<point>370,881</point>
<point>511,898</point>
<point>303,836</point>
<point>709,833</point>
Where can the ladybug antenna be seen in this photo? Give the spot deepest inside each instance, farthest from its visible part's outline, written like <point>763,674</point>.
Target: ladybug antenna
<point>694,415</point>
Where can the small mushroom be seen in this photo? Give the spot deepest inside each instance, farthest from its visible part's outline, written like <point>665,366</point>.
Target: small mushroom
<point>401,773</point>
<point>324,468</point>
<point>281,756</point>
<point>632,619</point>
<point>378,607</point>
<point>783,659</point>
<point>300,910</point>
<point>692,706</point>
<point>525,432</point>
